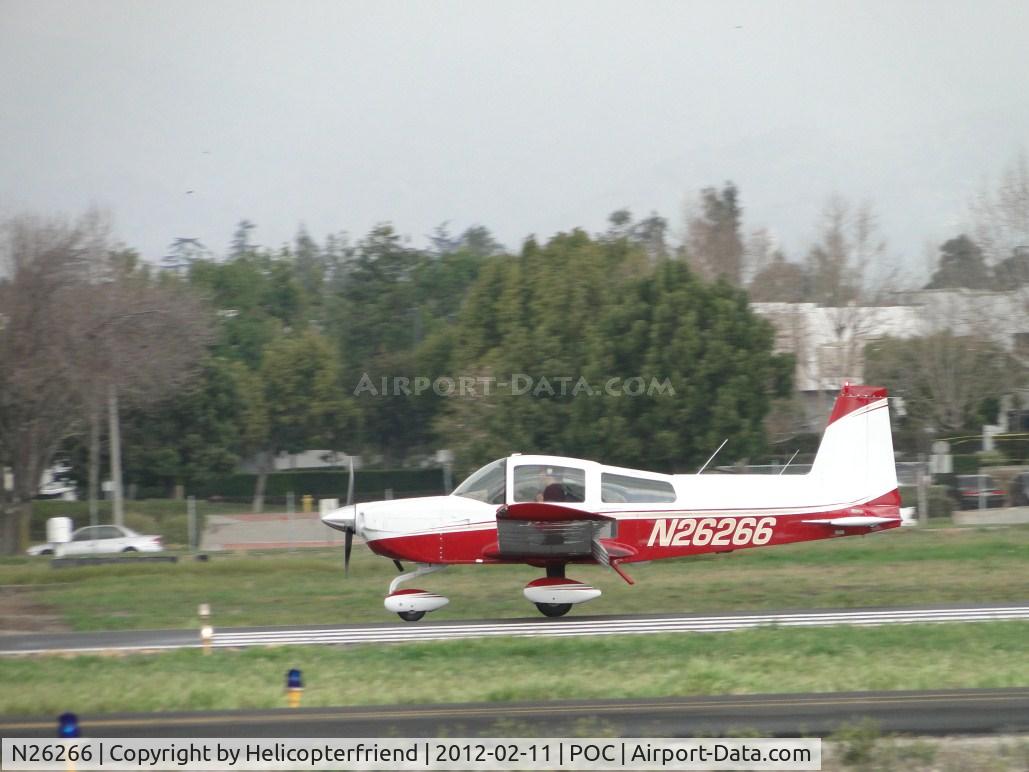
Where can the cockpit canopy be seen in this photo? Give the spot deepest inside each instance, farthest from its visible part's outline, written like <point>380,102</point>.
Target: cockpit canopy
<point>534,478</point>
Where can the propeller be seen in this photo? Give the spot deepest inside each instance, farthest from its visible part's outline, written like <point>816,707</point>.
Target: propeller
<point>348,534</point>
<point>351,528</point>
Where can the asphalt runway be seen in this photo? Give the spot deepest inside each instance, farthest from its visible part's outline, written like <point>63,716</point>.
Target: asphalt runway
<point>405,632</point>
<point>956,711</point>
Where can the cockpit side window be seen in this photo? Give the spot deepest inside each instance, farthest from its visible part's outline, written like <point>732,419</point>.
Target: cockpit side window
<point>545,482</point>
<point>621,488</point>
<point>488,485</point>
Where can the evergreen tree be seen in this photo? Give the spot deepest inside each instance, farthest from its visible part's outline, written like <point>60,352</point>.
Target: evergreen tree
<point>961,265</point>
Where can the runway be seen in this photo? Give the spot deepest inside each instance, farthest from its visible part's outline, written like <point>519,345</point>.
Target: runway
<point>955,711</point>
<point>404,632</point>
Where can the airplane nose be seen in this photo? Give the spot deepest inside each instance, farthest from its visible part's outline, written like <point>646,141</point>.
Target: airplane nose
<point>341,518</point>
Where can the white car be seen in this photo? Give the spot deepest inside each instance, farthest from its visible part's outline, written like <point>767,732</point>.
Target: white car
<point>99,540</point>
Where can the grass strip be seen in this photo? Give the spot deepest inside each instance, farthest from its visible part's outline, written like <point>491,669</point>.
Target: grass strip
<point>765,660</point>
<point>906,567</point>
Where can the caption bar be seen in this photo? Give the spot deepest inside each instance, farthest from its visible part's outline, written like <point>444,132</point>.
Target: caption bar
<point>199,755</point>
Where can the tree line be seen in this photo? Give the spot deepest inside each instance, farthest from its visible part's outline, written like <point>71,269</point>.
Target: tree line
<point>212,359</point>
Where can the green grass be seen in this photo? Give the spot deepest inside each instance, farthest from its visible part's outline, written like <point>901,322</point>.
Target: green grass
<point>903,567</point>
<point>753,661</point>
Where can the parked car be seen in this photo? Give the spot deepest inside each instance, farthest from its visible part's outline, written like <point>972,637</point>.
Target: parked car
<point>1020,490</point>
<point>972,488</point>
<point>100,540</point>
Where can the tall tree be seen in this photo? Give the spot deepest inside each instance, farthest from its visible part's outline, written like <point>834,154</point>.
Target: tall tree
<point>714,243</point>
<point>306,405</point>
<point>961,265</point>
<point>780,281</point>
<point>618,359</point>
<point>241,244</point>
<point>202,430</point>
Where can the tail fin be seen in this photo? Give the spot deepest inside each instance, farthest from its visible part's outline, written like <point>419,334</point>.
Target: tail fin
<point>855,459</point>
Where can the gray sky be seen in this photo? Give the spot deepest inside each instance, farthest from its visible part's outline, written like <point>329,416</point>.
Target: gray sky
<point>524,117</point>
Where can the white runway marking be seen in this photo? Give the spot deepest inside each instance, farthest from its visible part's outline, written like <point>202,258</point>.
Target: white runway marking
<point>554,628</point>
<point>573,627</point>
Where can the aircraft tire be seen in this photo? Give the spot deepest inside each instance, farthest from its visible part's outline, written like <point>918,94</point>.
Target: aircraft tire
<point>410,616</point>
<point>554,609</point>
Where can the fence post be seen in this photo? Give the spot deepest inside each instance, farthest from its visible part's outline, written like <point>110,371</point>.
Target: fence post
<point>191,515</point>
<point>923,496</point>
<point>289,517</point>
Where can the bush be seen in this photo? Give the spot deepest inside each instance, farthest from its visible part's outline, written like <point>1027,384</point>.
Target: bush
<point>941,504</point>
<point>991,458</point>
<point>966,463</point>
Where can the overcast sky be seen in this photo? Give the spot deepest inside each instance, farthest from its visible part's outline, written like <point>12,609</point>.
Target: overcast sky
<point>528,118</point>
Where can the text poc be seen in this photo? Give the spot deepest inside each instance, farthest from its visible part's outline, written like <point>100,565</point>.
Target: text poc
<point>592,752</point>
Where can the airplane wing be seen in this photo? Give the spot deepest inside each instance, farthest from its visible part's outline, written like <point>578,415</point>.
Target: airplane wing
<point>539,530</point>
<point>545,511</point>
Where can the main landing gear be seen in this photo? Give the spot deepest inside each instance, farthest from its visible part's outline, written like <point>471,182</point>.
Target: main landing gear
<point>555,594</point>
<point>554,609</point>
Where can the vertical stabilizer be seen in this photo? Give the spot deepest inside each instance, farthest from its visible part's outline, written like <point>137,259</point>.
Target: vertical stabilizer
<point>855,458</point>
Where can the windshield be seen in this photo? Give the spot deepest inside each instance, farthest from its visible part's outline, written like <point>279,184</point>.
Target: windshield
<point>489,484</point>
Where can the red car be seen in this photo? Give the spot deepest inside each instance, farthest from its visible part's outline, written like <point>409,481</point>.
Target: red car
<point>979,490</point>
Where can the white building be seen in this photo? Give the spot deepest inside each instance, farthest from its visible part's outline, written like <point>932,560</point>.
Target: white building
<point>829,342</point>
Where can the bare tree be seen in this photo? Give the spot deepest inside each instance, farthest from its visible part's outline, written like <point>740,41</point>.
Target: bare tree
<point>1000,216</point>
<point>943,377</point>
<point>45,265</point>
<point>77,329</point>
<point>143,340</point>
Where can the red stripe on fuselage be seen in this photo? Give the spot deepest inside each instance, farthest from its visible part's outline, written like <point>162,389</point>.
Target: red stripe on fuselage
<point>471,546</point>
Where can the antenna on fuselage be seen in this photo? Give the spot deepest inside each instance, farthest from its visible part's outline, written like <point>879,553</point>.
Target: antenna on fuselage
<point>713,456</point>
<point>790,461</point>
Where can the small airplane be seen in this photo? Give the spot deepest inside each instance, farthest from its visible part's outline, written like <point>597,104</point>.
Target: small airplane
<point>551,512</point>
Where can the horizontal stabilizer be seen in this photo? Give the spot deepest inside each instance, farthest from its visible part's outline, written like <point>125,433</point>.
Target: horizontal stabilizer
<point>853,521</point>
<point>542,511</point>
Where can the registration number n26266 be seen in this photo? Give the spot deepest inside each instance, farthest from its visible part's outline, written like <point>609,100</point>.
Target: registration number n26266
<point>712,531</point>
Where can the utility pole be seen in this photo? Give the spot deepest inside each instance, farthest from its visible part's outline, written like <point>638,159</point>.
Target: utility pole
<point>94,460</point>
<point>114,429</point>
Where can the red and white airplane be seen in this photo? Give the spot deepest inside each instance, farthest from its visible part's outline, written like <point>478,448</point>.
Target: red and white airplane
<point>550,511</point>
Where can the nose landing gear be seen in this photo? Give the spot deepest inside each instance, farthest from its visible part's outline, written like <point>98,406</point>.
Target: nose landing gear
<point>411,605</point>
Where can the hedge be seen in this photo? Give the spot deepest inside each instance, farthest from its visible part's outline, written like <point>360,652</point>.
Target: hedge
<point>369,484</point>
<point>941,504</point>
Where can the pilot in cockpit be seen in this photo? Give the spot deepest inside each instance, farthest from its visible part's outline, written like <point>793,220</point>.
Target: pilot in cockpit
<point>550,487</point>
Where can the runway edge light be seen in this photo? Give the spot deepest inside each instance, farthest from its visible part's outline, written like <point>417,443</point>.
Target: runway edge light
<point>68,725</point>
<point>294,687</point>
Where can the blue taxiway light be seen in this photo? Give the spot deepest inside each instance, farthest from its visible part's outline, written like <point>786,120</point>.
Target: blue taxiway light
<point>68,725</point>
